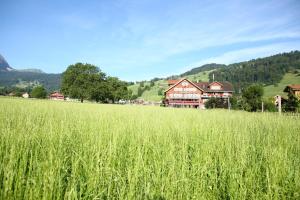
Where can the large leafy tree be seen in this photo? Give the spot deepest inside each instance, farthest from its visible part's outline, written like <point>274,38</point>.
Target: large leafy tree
<point>252,97</point>
<point>39,92</point>
<point>82,81</point>
<point>118,89</point>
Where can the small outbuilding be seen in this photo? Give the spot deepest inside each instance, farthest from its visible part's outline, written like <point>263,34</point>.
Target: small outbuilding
<point>293,89</point>
<point>57,96</point>
<point>25,95</point>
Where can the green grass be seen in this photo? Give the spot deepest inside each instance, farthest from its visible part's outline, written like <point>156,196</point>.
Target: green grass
<point>289,78</point>
<point>63,150</point>
<point>152,94</point>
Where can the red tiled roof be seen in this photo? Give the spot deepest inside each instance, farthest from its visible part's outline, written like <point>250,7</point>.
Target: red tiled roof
<point>56,94</point>
<point>225,86</point>
<point>295,86</point>
<point>205,86</point>
<point>172,82</point>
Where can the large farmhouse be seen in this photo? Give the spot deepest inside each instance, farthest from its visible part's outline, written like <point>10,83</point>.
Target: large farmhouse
<point>184,93</point>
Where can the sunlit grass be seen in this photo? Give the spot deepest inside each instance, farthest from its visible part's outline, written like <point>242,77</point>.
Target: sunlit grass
<point>57,150</point>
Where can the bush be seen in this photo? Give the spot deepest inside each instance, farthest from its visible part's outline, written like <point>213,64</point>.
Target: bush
<point>269,106</point>
<point>252,97</point>
<point>39,92</point>
<point>216,103</point>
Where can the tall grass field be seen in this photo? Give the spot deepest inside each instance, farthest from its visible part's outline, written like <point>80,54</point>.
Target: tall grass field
<point>63,150</point>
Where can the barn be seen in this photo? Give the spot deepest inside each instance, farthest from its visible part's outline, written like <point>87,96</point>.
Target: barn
<point>185,93</point>
<point>57,96</point>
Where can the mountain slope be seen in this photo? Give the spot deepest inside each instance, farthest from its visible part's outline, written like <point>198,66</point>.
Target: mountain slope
<point>4,66</point>
<point>277,89</point>
<point>267,71</point>
<point>10,77</point>
<point>30,79</point>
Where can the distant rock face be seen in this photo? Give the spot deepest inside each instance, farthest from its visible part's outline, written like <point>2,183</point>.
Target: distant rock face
<point>4,66</point>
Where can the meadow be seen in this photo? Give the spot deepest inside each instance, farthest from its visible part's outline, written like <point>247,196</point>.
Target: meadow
<point>63,150</point>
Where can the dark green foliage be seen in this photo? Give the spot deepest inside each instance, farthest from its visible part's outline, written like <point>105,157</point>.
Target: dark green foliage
<point>216,103</point>
<point>269,106</point>
<point>156,79</point>
<point>81,81</point>
<point>39,92</point>
<point>142,84</point>
<point>151,83</point>
<point>206,67</point>
<point>15,90</point>
<point>269,70</point>
<point>140,91</point>
<point>133,97</point>
<point>252,97</point>
<point>51,82</point>
<point>292,104</point>
<point>118,89</point>
<point>234,102</point>
<point>160,92</point>
<point>86,81</point>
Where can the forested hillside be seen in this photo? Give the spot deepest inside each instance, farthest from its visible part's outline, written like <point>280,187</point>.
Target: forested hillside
<point>269,72</point>
<point>28,79</point>
<point>266,71</point>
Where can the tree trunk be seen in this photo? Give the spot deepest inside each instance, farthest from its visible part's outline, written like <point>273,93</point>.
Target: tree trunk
<point>81,99</point>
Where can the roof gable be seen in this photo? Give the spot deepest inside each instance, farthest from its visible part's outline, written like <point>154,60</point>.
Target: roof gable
<point>216,83</point>
<point>180,81</point>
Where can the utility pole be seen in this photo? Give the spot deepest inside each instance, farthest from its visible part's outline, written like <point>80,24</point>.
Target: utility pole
<point>228,103</point>
<point>279,104</point>
<point>262,106</point>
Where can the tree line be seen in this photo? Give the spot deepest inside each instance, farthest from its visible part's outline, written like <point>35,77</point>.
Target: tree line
<point>86,81</point>
<point>252,100</point>
<point>266,71</point>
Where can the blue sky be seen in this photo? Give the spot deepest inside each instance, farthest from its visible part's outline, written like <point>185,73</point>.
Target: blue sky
<point>142,39</point>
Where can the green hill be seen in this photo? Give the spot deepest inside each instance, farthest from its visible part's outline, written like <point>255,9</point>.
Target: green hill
<point>274,72</point>
<point>24,79</point>
<point>277,89</point>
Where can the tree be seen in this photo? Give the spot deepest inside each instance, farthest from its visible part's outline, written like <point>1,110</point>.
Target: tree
<point>118,89</point>
<point>252,97</point>
<point>139,91</point>
<point>292,103</point>
<point>160,92</point>
<point>82,81</point>
<point>216,103</point>
<point>39,92</point>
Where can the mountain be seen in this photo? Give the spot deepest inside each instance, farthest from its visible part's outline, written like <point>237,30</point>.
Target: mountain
<point>10,77</point>
<point>31,70</point>
<point>4,66</point>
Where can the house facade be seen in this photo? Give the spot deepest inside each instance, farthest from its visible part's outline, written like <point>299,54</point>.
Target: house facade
<point>294,89</point>
<point>57,96</point>
<point>185,93</point>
